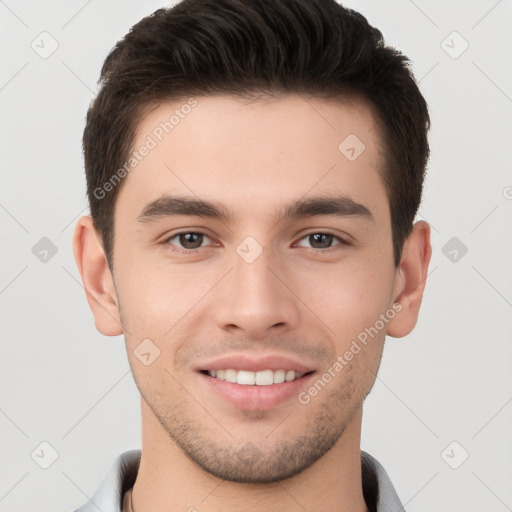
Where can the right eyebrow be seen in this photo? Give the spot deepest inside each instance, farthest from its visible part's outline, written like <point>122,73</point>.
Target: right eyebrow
<point>167,206</point>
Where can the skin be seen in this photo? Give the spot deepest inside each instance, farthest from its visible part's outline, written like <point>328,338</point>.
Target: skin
<point>295,299</point>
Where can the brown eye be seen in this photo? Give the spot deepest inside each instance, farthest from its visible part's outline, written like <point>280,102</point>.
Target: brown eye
<point>187,240</point>
<point>191,240</point>
<point>321,241</point>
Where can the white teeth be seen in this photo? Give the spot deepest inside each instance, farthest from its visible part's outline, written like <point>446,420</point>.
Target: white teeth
<point>290,375</point>
<point>279,376</point>
<point>245,377</point>
<point>261,378</point>
<point>264,378</point>
<point>230,375</point>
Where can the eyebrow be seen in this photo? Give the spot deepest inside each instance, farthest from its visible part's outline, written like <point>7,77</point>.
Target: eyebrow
<point>169,206</point>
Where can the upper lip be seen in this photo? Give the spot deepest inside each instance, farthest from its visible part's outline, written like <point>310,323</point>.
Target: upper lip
<point>255,364</point>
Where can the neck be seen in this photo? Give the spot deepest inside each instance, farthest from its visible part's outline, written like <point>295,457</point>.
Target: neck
<point>169,481</point>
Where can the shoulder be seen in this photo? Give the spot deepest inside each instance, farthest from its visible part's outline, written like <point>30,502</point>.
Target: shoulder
<point>116,481</point>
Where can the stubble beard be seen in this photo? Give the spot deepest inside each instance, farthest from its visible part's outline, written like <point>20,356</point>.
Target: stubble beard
<point>280,456</point>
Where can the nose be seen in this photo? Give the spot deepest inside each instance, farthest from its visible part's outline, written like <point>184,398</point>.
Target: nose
<point>256,299</point>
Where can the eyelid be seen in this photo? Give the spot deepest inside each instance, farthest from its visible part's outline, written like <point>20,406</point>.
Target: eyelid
<point>344,239</point>
<point>168,238</point>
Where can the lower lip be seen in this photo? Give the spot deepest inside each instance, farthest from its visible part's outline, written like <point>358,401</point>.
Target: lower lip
<point>256,398</point>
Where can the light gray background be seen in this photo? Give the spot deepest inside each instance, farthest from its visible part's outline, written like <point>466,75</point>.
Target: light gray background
<point>65,384</point>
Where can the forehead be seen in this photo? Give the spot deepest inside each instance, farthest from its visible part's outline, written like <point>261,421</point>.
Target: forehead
<point>256,153</point>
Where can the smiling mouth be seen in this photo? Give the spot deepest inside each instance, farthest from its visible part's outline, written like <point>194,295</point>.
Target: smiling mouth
<point>259,378</point>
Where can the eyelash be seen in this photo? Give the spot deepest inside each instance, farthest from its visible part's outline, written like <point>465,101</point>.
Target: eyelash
<point>315,250</point>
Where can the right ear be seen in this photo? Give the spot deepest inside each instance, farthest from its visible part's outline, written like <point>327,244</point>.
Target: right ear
<point>96,276</point>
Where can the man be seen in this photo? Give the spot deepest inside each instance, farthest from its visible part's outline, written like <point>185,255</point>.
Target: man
<point>253,169</point>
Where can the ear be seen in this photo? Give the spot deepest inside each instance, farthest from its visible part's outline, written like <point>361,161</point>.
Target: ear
<point>96,277</point>
<point>410,280</point>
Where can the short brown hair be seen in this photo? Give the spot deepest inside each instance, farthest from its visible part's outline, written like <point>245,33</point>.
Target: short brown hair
<point>250,47</point>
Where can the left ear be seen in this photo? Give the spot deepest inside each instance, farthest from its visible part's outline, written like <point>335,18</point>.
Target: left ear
<point>410,280</point>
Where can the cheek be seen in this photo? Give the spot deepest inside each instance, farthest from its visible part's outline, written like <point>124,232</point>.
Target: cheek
<point>348,298</point>
<point>160,305</point>
<point>154,297</point>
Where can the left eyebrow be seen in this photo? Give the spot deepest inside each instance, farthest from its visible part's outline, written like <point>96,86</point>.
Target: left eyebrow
<point>169,206</point>
<point>341,206</point>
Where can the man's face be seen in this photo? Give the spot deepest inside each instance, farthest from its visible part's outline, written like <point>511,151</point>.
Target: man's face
<point>255,290</point>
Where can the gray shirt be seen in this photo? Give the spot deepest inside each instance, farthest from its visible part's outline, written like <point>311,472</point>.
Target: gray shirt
<point>379,493</point>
